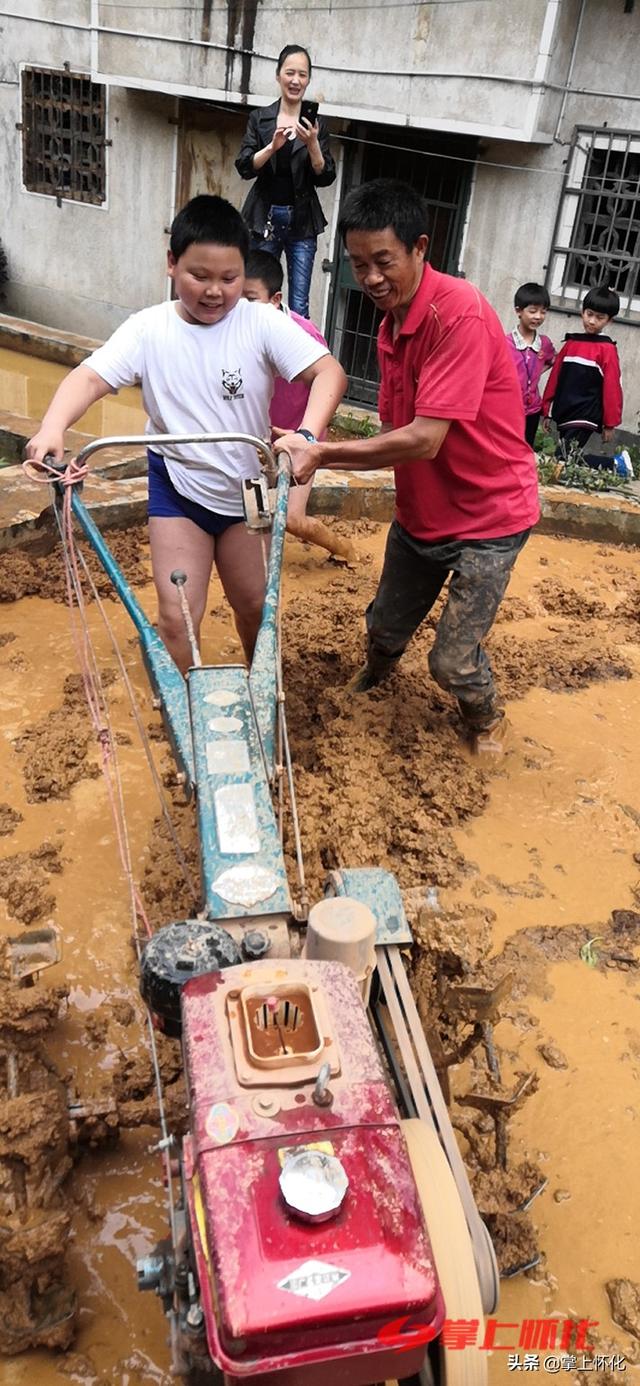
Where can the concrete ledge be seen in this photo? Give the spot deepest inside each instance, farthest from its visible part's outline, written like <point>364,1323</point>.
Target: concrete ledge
<point>15,431</point>
<point>49,344</point>
<point>605,519</point>
<point>26,514</point>
<point>117,500</point>
<point>602,518</point>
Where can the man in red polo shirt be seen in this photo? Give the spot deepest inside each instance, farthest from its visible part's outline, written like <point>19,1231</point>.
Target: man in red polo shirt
<point>453,430</point>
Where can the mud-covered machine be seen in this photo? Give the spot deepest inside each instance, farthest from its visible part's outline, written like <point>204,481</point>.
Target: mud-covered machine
<point>322,1226</point>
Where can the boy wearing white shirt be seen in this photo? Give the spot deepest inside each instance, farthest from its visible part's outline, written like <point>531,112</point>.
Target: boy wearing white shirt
<point>206,362</point>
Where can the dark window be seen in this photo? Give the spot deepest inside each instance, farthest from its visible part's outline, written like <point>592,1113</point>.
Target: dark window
<point>63,135</point>
<point>597,235</point>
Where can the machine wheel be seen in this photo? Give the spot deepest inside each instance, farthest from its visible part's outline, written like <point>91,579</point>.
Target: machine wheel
<point>453,1253</point>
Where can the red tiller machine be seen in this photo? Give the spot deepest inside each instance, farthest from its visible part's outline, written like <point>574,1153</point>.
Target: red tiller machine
<point>309,1238</point>
<point>320,1215</point>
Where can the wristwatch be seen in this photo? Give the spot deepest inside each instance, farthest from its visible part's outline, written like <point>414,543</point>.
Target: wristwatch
<point>306,433</point>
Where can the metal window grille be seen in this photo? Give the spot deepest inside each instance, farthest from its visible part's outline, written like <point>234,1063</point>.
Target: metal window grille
<point>597,234</point>
<point>63,135</point>
<point>444,184</point>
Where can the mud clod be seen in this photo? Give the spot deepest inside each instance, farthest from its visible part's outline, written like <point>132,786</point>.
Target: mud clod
<point>36,1308</point>
<point>9,819</point>
<point>24,882</point>
<point>61,749</point>
<point>553,1056</point>
<point>624,1298</point>
<point>23,574</point>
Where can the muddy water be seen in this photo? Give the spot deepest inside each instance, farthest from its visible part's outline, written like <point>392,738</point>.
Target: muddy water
<point>27,384</point>
<point>547,839</point>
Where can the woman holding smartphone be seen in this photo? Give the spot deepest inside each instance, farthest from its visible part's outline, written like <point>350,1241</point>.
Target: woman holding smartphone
<point>286,150</point>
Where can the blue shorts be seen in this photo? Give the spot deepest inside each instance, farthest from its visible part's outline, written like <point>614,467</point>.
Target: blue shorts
<point>167,503</point>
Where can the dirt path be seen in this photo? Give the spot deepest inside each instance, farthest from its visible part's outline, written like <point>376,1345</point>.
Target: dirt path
<point>529,861</point>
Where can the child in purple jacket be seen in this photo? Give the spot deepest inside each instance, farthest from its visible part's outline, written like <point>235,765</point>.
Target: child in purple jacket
<point>532,353</point>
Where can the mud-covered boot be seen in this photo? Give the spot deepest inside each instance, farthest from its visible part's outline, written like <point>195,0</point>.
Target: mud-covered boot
<point>485,728</point>
<point>372,673</point>
<point>490,741</point>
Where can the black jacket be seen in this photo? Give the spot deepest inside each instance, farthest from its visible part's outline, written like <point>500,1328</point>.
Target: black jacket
<point>309,219</point>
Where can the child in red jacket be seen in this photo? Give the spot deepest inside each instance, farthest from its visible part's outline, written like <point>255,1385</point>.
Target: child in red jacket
<point>583,395</point>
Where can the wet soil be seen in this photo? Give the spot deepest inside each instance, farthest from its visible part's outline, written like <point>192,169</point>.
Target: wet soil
<point>529,859</point>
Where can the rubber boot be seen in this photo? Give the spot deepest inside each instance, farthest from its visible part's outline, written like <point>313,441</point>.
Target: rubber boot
<point>492,740</point>
<point>372,673</point>
<point>485,728</point>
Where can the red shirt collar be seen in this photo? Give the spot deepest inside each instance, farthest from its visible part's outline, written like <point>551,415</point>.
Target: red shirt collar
<point>415,316</point>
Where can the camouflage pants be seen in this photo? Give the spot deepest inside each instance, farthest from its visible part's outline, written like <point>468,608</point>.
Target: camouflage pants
<point>413,576</point>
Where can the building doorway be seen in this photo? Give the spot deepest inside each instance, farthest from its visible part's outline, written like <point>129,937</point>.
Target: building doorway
<point>432,164</point>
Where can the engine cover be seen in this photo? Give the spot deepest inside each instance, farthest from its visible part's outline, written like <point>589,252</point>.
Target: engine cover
<point>280,1056</point>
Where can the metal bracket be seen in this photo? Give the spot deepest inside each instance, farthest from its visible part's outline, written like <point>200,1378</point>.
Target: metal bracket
<point>255,501</point>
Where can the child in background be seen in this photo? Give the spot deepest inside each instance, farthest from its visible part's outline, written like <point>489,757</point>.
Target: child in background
<point>263,284</point>
<point>206,362</point>
<point>583,395</point>
<point>532,353</point>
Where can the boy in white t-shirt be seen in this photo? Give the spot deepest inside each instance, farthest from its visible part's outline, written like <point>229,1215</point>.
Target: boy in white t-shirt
<point>207,362</point>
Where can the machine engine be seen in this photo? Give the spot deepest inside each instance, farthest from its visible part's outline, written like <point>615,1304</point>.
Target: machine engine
<point>305,1231</point>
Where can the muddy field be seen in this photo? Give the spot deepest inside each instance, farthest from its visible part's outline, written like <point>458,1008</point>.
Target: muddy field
<point>532,861</point>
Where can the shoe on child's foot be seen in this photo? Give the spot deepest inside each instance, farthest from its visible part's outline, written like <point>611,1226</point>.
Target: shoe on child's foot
<point>622,464</point>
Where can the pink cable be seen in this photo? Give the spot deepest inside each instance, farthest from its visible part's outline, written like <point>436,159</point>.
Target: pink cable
<point>44,472</point>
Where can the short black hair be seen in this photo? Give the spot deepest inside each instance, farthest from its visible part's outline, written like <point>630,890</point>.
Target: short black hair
<point>385,202</point>
<point>530,296</point>
<point>208,218</point>
<point>263,266</point>
<point>602,299</point>
<point>286,53</point>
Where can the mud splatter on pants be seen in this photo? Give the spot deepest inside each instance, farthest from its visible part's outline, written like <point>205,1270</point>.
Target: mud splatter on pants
<point>413,576</point>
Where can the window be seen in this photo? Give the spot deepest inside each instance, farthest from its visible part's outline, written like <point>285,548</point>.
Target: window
<point>63,135</point>
<point>597,235</point>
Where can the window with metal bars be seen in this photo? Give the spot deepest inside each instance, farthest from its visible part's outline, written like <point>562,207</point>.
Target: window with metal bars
<point>63,135</point>
<point>597,234</point>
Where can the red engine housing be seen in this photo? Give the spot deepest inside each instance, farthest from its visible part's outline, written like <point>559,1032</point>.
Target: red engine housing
<point>282,1297</point>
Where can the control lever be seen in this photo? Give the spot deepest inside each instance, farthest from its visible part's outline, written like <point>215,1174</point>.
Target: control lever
<point>179,579</point>
<point>255,500</point>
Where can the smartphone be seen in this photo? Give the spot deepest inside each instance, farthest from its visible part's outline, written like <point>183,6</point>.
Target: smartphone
<point>309,111</point>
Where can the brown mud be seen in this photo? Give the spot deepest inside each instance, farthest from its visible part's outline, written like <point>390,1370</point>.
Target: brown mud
<point>533,860</point>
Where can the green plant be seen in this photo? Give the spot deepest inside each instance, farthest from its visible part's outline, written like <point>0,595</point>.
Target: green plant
<point>553,471</point>
<point>354,426</point>
<point>544,443</point>
<point>588,953</point>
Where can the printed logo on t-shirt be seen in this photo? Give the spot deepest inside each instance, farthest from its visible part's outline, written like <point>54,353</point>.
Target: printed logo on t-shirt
<point>232,385</point>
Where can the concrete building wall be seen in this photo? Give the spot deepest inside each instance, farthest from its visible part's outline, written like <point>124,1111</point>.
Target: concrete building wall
<point>438,66</point>
<point>513,209</point>
<point>85,268</point>
<point>79,266</point>
<point>510,232</point>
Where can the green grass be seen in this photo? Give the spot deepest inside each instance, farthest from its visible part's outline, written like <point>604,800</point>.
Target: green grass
<point>573,473</point>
